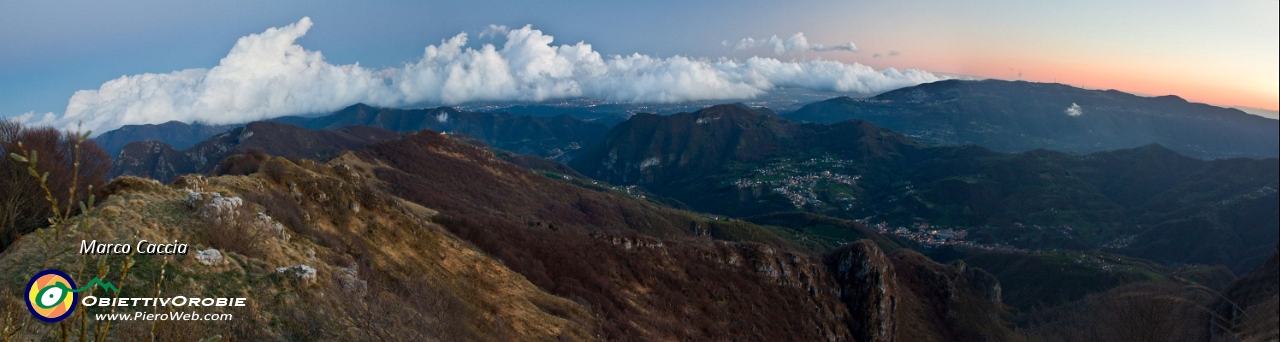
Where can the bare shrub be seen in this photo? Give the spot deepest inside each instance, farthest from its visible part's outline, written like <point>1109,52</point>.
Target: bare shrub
<point>13,316</point>
<point>242,164</point>
<point>240,233</point>
<point>389,310</point>
<point>23,207</point>
<point>280,206</point>
<point>1137,312</point>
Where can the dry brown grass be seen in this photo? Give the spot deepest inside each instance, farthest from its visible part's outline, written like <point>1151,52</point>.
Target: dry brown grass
<point>423,284</point>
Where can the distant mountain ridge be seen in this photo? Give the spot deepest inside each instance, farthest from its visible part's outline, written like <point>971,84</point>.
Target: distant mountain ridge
<point>157,160</point>
<point>1017,116</point>
<point>558,137</point>
<point>176,134</point>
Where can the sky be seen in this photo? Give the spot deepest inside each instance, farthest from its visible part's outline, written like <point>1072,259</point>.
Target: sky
<point>140,61</point>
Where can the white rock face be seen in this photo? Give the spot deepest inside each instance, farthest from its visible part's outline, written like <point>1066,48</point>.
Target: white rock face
<point>210,257</point>
<point>221,209</point>
<point>193,198</point>
<point>349,280</point>
<point>272,227</point>
<point>306,273</point>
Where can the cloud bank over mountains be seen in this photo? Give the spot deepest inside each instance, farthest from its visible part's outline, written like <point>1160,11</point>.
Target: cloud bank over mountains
<point>268,75</point>
<point>796,43</point>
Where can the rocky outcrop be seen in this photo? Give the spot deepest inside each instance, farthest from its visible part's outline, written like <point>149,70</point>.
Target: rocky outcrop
<point>210,257</point>
<point>305,274</point>
<point>869,288</point>
<point>221,209</point>
<point>272,228</point>
<point>947,302</point>
<point>984,282</point>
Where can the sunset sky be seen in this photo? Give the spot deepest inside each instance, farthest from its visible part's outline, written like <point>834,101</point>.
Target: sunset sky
<point>1218,52</point>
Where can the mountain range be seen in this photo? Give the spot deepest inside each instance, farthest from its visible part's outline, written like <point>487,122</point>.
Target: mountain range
<point>157,160</point>
<point>556,137</point>
<point>176,134</point>
<point>728,222</point>
<point>1017,116</point>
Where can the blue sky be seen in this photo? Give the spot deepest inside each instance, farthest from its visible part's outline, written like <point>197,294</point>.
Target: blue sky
<point>1217,52</point>
<point>54,48</point>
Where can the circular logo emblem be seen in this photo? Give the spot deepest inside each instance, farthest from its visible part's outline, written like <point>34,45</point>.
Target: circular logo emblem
<point>49,295</point>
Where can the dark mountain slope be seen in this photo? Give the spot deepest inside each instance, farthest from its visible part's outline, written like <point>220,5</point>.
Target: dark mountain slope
<point>559,136</point>
<point>650,272</point>
<point>159,161</point>
<point>1149,201</point>
<point>1248,309</point>
<point>1021,116</point>
<point>176,134</point>
<point>680,155</point>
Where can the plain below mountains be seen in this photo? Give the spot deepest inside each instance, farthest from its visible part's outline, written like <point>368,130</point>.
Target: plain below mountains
<point>1021,116</point>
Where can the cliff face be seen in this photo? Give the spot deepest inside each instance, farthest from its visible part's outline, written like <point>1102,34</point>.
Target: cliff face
<point>869,288</point>
<point>904,296</point>
<point>854,294</point>
<point>952,302</point>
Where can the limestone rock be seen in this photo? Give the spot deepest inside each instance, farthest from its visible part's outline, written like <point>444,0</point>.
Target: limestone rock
<point>221,209</point>
<point>272,227</point>
<point>210,257</point>
<point>306,274</point>
<point>350,281</point>
<point>193,198</point>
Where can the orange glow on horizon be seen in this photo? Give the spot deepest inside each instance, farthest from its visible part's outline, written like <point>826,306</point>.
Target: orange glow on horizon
<point>1147,81</point>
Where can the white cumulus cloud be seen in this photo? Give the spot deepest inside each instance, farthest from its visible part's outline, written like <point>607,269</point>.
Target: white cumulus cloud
<point>1074,110</point>
<point>268,75</point>
<point>494,31</point>
<point>796,43</point>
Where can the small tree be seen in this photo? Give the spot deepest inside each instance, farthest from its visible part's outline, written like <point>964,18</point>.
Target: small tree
<point>73,165</point>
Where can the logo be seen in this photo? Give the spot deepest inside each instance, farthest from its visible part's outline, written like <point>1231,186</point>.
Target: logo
<point>52,296</point>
